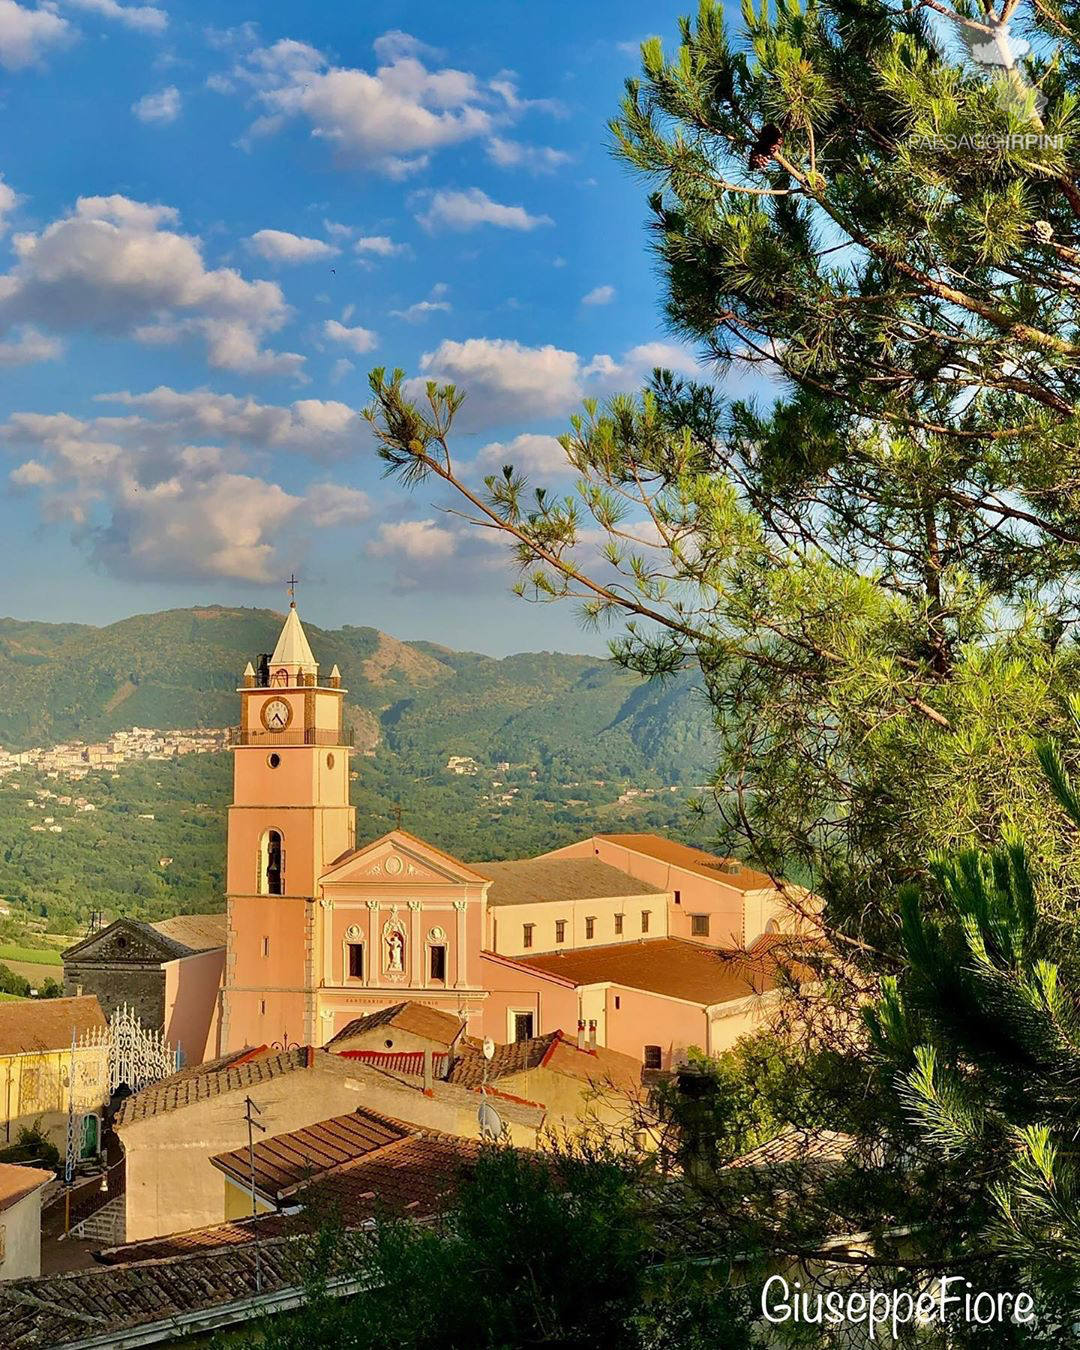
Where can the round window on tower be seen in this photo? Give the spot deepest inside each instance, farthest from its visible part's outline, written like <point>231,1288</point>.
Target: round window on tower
<point>273,760</point>
<point>330,761</point>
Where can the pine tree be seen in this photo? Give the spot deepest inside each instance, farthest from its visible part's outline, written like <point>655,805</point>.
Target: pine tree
<point>982,1029</point>
<point>871,564</point>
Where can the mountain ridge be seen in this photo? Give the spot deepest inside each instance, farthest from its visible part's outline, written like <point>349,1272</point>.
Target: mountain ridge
<point>422,700</point>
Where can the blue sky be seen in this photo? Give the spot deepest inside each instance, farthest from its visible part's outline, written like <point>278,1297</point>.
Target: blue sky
<point>212,233</point>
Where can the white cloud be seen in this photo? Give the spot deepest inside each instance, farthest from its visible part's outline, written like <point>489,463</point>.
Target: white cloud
<point>467,210</point>
<point>144,18</point>
<point>508,154</point>
<point>162,107</point>
<point>414,540</point>
<point>528,452</point>
<point>599,295</point>
<point>329,505</point>
<point>281,246</point>
<point>381,245</point>
<point>8,201</point>
<point>145,502</point>
<point>26,34</point>
<point>28,347</point>
<point>504,379</point>
<point>390,120</point>
<point>359,340</point>
<point>434,304</point>
<point>115,266</point>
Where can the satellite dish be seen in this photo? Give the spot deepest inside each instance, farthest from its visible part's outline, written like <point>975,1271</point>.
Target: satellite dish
<point>489,1048</point>
<point>490,1122</point>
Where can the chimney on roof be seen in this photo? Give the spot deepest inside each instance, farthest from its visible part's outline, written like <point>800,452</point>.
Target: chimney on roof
<point>592,1033</point>
<point>580,1034</point>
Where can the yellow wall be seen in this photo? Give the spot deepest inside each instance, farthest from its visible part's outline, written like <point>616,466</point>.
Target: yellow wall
<point>35,1087</point>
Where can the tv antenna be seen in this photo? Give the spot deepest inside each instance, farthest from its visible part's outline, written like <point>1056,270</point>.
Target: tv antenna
<point>253,1124</point>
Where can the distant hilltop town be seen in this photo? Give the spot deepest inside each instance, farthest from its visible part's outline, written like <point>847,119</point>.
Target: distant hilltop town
<point>75,759</point>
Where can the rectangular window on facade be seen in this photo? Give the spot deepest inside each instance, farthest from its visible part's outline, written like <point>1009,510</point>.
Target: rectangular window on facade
<point>438,964</point>
<point>618,1002</point>
<point>644,920</point>
<point>523,1026</point>
<point>560,930</point>
<point>654,1058</point>
<point>699,925</point>
<point>266,946</point>
<point>678,897</point>
<point>590,928</point>
<point>356,960</point>
<point>527,934</point>
<point>618,923</point>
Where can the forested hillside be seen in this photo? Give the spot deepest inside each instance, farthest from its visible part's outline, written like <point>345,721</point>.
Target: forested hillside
<point>558,740</point>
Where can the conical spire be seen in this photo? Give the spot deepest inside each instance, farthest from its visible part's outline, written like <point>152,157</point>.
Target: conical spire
<point>293,651</point>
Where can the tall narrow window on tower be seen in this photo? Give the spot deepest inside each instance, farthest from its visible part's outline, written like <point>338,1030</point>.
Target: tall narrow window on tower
<point>272,865</point>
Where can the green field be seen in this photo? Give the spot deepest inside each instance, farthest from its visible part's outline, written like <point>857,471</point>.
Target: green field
<point>38,956</point>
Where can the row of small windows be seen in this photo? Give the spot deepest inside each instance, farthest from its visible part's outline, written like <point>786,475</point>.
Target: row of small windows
<point>354,957</point>
<point>528,930</point>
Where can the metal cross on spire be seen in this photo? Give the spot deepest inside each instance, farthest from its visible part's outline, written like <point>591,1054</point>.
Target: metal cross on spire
<point>291,585</point>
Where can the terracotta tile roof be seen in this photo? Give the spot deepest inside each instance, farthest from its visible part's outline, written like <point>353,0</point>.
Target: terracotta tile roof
<point>55,1311</point>
<point>793,1145</point>
<point>196,932</point>
<point>670,966</point>
<point>399,1061</point>
<point>431,1023</point>
<point>469,1067</point>
<point>47,1023</point>
<point>286,1162</point>
<point>550,879</point>
<point>16,1182</point>
<point>232,1073</point>
<point>235,1233</point>
<point>555,1051</point>
<point>693,860</point>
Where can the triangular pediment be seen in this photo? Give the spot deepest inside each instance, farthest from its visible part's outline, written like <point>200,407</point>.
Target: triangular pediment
<point>400,858</point>
<point>124,941</point>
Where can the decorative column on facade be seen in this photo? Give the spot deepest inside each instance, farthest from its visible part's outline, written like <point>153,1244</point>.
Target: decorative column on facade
<point>461,949</point>
<point>418,971</point>
<point>372,955</point>
<point>326,903</point>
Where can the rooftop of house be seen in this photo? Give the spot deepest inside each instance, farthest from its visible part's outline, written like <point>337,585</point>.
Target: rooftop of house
<point>793,1145</point>
<point>230,1073</point>
<point>196,932</point>
<point>728,870</point>
<point>429,1023</point>
<point>96,1306</point>
<point>17,1182</point>
<point>558,879</point>
<point>554,1051</point>
<point>412,1176</point>
<point>47,1023</point>
<point>288,1162</point>
<point>673,967</point>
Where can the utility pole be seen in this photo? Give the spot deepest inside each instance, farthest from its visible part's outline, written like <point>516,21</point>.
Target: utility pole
<point>253,1124</point>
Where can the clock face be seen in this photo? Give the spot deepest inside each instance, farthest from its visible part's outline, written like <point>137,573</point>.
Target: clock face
<point>276,714</point>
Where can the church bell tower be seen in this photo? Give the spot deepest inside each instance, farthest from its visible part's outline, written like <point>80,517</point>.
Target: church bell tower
<point>290,818</point>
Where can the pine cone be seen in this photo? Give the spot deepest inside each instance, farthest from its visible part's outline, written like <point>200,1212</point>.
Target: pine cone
<point>770,139</point>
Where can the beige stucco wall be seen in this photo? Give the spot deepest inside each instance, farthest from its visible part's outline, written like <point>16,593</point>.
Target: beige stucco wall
<point>21,1225</point>
<point>171,1183</point>
<point>506,923</point>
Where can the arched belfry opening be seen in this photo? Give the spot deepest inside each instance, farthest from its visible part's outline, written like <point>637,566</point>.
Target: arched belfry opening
<point>272,864</point>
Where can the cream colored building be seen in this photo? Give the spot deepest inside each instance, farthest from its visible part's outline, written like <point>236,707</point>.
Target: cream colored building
<point>20,1220</point>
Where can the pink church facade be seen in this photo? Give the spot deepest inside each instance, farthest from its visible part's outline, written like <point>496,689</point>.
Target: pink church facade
<point>320,932</point>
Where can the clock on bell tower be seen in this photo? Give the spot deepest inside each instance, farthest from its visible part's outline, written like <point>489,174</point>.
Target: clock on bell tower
<point>290,818</point>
